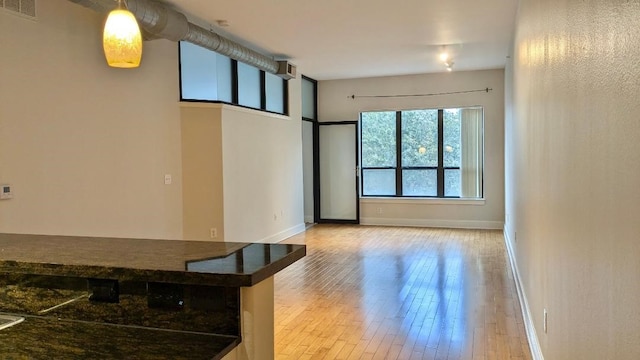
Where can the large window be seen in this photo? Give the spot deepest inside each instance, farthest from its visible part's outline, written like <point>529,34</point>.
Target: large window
<point>422,153</point>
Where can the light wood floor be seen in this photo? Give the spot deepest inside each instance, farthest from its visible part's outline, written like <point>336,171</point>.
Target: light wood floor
<point>398,293</point>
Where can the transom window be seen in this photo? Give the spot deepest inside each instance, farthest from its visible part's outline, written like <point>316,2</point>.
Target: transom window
<point>422,153</point>
<point>207,76</point>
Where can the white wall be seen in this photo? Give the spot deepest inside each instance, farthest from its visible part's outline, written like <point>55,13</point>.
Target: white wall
<point>262,173</point>
<point>573,164</point>
<point>334,105</point>
<point>85,146</point>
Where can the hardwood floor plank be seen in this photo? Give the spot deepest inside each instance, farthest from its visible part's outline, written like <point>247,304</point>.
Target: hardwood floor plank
<point>365,292</point>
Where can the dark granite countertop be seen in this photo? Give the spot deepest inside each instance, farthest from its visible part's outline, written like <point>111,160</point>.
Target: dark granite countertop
<point>115,298</point>
<point>168,261</point>
<point>45,338</point>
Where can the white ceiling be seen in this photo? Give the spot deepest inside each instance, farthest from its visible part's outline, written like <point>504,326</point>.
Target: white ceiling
<point>339,39</point>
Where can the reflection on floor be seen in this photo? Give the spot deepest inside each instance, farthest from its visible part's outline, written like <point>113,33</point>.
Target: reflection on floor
<point>399,293</point>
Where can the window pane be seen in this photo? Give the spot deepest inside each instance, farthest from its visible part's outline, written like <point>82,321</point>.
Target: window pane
<point>451,137</point>
<point>451,182</point>
<point>420,138</point>
<point>204,74</point>
<point>308,97</point>
<point>378,139</point>
<point>198,72</point>
<point>248,85</point>
<point>379,182</point>
<point>274,85</point>
<point>420,182</point>
<point>223,65</point>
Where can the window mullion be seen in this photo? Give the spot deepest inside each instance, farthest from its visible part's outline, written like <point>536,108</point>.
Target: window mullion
<point>440,153</point>
<point>285,97</point>
<point>234,81</point>
<point>263,90</point>
<point>398,153</point>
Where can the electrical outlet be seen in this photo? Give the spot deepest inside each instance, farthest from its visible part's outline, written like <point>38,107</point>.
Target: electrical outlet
<point>379,210</point>
<point>6,192</point>
<point>544,324</point>
<point>213,233</point>
<point>167,179</point>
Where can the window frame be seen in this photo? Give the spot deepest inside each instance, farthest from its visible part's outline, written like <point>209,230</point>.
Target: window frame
<point>399,167</point>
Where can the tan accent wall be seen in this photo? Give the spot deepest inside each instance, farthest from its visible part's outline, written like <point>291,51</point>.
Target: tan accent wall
<point>202,190</point>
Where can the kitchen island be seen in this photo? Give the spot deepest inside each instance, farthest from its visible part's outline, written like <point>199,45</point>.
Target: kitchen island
<point>90,297</point>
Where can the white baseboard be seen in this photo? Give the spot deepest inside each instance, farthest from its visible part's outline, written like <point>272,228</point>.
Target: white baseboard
<point>284,234</point>
<point>454,224</point>
<point>534,344</point>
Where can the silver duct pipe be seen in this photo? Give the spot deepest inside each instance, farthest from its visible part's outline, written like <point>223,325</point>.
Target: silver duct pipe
<point>161,21</point>
<point>212,41</point>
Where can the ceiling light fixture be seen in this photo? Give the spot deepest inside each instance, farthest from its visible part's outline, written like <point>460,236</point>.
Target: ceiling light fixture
<point>446,58</point>
<point>449,65</point>
<point>121,39</point>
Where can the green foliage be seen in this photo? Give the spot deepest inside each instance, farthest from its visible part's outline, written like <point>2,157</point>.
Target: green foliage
<point>452,143</point>
<point>378,139</point>
<point>420,138</point>
<point>419,148</point>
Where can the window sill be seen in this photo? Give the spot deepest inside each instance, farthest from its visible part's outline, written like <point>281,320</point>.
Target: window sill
<point>421,201</point>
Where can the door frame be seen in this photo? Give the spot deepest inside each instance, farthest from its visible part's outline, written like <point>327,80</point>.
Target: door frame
<point>316,173</point>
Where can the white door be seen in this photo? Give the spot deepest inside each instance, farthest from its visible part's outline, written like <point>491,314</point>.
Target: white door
<point>339,172</point>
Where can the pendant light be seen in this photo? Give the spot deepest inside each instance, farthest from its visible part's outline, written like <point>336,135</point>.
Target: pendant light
<point>121,39</point>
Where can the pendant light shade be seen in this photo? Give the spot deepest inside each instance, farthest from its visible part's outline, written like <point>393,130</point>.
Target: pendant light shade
<point>121,39</point>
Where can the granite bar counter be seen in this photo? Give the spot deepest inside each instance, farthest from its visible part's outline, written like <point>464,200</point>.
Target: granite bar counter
<point>185,262</point>
<point>47,338</point>
<point>90,297</point>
